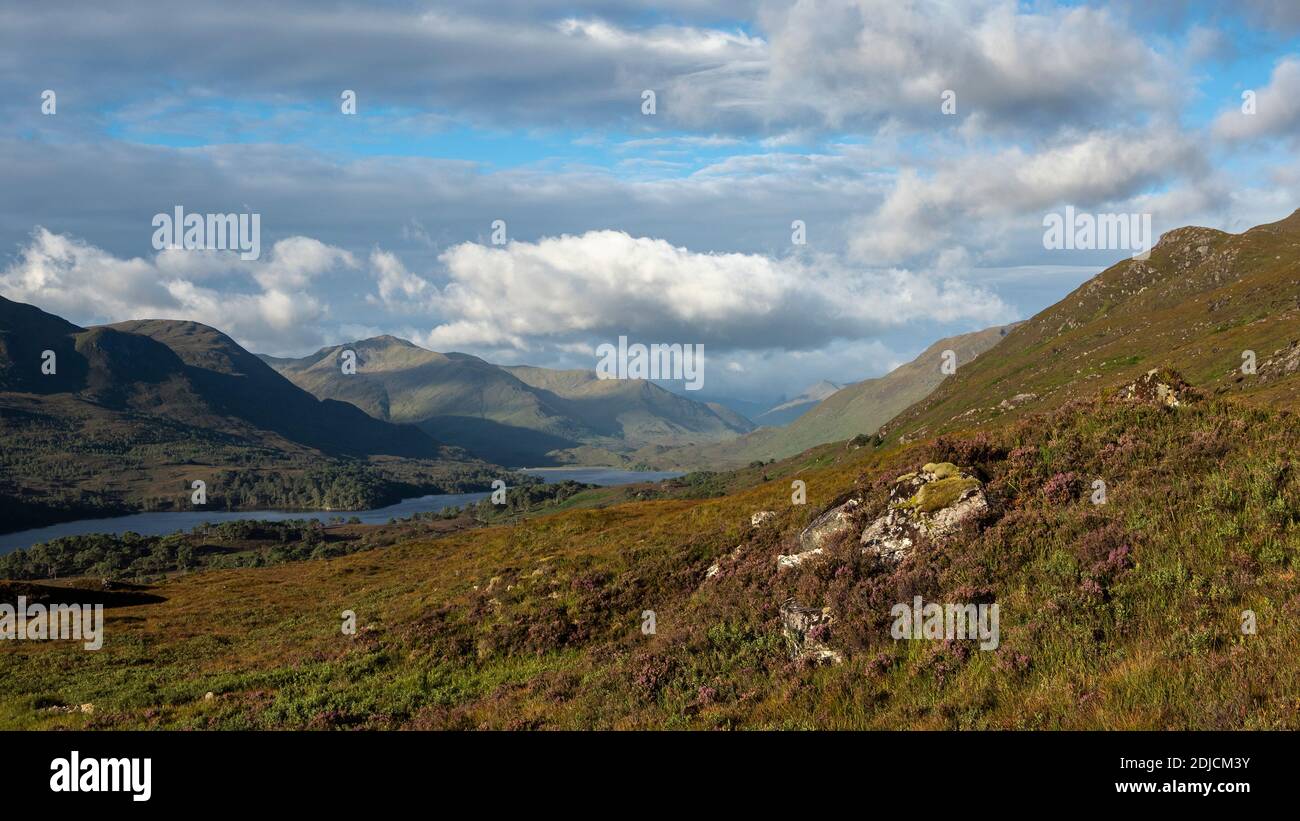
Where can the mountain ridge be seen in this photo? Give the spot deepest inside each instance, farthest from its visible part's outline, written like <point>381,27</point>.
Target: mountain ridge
<point>514,414</point>
<point>131,413</point>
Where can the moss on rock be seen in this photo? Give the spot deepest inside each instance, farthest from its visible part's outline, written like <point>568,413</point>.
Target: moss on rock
<point>942,470</point>
<point>941,493</point>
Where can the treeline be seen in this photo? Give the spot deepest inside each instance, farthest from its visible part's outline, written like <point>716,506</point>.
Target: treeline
<point>529,498</point>
<point>342,486</point>
<point>54,470</point>
<point>243,543</point>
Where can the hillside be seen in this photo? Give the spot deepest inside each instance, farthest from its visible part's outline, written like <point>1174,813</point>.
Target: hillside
<point>859,408</point>
<point>1123,616</point>
<point>513,415</point>
<point>134,412</point>
<point>1201,300</point>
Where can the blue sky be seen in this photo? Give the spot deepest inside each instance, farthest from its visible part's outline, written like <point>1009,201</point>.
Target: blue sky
<point>674,227</point>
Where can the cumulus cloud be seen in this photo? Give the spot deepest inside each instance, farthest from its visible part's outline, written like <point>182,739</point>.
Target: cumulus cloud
<point>852,63</point>
<point>85,284</point>
<point>976,196</point>
<point>602,284</point>
<point>1276,110</point>
<point>399,289</point>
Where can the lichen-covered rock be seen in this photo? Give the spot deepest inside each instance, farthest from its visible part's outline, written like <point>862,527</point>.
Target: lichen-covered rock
<point>805,629</point>
<point>814,538</point>
<point>1158,386</point>
<point>827,526</point>
<point>933,501</point>
<point>760,517</point>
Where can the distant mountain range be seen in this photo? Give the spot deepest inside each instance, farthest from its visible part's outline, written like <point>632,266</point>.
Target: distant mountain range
<point>513,415</point>
<point>116,418</point>
<point>786,412</point>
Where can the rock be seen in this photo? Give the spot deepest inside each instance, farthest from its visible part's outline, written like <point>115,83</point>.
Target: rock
<point>795,559</point>
<point>1017,400</point>
<point>803,628</point>
<point>1283,362</point>
<point>814,537</point>
<point>972,504</point>
<point>827,526</point>
<point>87,708</point>
<point>1159,386</point>
<point>935,501</point>
<point>716,567</point>
<point>760,517</point>
<point>888,537</point>
<point>209,696</point>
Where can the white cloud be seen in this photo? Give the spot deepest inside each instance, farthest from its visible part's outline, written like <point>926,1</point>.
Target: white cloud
<point>399,289</point>
<point>974,197</point>
<point>1277,108</point>
<point>856,62</point>
<point>608,283</point>
<point>86,284</point>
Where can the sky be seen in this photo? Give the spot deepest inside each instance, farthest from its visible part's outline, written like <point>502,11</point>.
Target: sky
<point>920,145</point>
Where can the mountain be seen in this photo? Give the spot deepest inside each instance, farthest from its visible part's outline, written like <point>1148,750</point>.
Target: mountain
<point>787,412</point>
<point>132,413</point>
<point>1200,302</point>
<point>518,415</point>
<point>859,408</point>
<point>233,384</point>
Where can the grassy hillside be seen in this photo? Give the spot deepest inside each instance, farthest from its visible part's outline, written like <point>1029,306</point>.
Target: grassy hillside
<point>633,411</point>
<point>1201,300</point>
<point>399,381</point>
<point>1123,615</point>
<point>786,412</point>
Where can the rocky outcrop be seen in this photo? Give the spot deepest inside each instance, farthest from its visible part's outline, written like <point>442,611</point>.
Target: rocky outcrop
<point>814,538</point>
<point>761,516</point>
<point>1158,386</point>
<point>1283,362</point>
<point>805,630</point>
<point>934,502</point>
